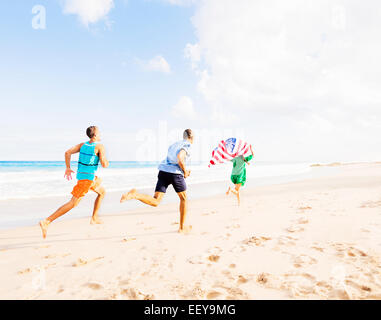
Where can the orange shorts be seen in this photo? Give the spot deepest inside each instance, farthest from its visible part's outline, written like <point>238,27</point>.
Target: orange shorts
<point>83,186</point>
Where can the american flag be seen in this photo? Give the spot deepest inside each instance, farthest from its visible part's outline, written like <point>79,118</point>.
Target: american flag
<point>228,149</point>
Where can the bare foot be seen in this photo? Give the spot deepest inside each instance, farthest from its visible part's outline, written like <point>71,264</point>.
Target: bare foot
<point>227,192</point>
<point>128,196</point>
<point>44,227</point>
<point>96,221</point>
<point>185,230</point>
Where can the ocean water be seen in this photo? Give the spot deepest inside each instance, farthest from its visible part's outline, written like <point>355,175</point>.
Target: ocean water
<point>32,190</point>
<point>42,179</point>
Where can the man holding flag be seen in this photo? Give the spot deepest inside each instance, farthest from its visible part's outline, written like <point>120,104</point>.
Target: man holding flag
<point>238,175</point>
<point>233,150</point>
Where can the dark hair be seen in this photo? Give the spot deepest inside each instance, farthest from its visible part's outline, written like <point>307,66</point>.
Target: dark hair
<point>188,134</point>
<point>90,131</point>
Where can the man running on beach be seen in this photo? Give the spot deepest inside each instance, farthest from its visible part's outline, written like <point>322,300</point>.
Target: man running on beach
<point>238,176</point>
<point>172,171</point>
<point>90,154</point>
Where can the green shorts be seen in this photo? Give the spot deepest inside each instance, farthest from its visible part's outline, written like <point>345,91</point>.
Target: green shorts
<point>239,179</point>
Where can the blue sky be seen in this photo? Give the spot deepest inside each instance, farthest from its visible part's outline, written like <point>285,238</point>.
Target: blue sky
<point>58,80</point>
<point>299,80</point>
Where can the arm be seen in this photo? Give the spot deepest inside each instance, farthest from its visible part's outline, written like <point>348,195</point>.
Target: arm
<point>247,159</point>
<point>68,154</point>
<point>102,156</point>
<point>181,160</point>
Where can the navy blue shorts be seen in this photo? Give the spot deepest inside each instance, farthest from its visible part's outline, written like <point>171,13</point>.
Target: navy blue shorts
<point>164,179</point>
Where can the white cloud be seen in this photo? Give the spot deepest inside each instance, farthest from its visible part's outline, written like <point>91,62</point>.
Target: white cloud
<point>157,63</point>
<point>313,62</point>
<point>184,109</point>
<point>88,11</point>
<point>193,53</point>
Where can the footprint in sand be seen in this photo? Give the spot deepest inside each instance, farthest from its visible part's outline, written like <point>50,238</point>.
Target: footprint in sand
<point>303,209</point>
<point>299,285</point>
<point>340,248</point>
<point>258,241</point>
<point>262,278</point>
<point>127,239</point>
<point>345,250</point>
<point>81,262</point>
<point>214,258</point>
<point>323,289</point>
<point>302,260</point>
<point>213,295</point>
<point>361,287</point>
<point>295,228</point>
<point>136,294</point>
<point>287,240</point>
<point>318,248</point>
<point>124,282</point>
<point>302,276</point>
<point>93,285</point>
<point>197,292</point>
<point>353,252</point>
<point>36,268</point>
<point>242,279</point>
<point>303,221</point>
<point>27,270</point>
<point>364,283</point>
<point>234,293</point>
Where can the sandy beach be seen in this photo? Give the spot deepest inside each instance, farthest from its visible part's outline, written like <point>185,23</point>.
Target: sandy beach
<point>318,238</point>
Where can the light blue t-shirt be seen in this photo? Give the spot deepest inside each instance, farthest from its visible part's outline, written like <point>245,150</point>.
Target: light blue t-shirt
<point>171,163</point>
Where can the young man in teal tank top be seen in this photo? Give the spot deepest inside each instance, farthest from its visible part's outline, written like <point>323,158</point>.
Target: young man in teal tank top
<point>238,175</point>
<point>91,153</point>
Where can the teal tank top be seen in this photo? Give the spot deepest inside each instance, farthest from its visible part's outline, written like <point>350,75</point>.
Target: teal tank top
<point>88,162</point>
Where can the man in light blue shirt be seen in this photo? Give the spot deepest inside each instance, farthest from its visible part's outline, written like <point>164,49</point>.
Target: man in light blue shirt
<point>171,163</point>
<point>172,171</point>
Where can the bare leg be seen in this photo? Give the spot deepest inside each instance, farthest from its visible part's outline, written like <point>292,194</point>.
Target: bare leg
<point>237,187</point>
<point>152,201</point>
<point>183,212</point>
<point>60,212</point>
<point>235,191</point>
<point>227,192</point>
<point>101,194</point>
